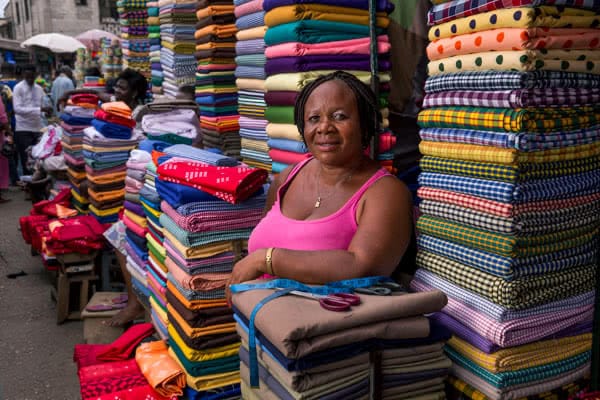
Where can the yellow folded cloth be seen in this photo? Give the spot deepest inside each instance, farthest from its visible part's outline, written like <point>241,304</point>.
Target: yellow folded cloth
<point>209,382</point>
<point>194,355</point>
<point>250,84</point>
<point>297,12</point>
<point>526,356</point>
<point>161,371</point>
<point>139,221</point>
<point>295,81</point>
<point>252,33</point>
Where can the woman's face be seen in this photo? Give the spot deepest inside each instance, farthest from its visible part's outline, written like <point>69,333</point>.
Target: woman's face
<point>332,128</point>
<point>123,91</point>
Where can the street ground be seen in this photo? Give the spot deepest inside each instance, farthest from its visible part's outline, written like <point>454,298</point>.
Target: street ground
<point>36,354</point>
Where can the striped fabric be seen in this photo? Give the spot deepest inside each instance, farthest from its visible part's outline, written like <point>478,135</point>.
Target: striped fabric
<point>509,268</point>
<point>518,294</point>
<point>508,120</point>
<point>521,291</point>
<point>507,80</point>
<point>498,172</point>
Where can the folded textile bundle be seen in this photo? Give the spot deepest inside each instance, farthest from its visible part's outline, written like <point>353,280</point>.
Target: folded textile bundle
<point>510,143</point>
<point>135,42</point>
<point>302,357</point>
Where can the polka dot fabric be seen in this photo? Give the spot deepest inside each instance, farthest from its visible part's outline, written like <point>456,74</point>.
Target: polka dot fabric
<point>548,17</point>
<point>514,39</point>
<point>586,61</point>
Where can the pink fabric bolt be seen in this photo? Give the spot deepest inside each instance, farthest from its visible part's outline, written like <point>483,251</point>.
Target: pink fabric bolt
<point>200,282</point>
<point>351,46</point>
<point>248,8</point>
<point>138,230</point>
<point>213,221</point>
<point>519,331</point>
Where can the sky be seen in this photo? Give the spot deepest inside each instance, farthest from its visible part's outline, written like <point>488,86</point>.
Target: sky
<point>3,4</point>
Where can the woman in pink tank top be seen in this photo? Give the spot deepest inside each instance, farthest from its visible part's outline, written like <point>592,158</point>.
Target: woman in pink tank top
<point>337,215</point>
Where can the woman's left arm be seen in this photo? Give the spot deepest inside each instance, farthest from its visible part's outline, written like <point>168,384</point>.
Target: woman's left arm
<point>383,234</point>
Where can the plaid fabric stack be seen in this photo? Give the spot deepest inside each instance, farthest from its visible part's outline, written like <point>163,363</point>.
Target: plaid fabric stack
<point>156,72</point>
<point>203,236</point>
<point>250,63</point>
<point>111,59</point>
<point>216,93</point>
<point>510,191</point>
<point>304,41</point>
<point>177,19</point>
<point>133,18</point>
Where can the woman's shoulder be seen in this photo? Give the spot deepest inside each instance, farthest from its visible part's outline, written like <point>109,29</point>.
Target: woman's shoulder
<point>387,186</point>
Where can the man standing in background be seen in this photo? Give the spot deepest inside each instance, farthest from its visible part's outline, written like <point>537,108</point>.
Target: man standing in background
<point>28,107</point>
<point>61,85</point>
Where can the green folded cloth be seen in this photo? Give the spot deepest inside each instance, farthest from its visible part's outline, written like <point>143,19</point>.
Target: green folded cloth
<point>315,31</point>
<point>280,114</point>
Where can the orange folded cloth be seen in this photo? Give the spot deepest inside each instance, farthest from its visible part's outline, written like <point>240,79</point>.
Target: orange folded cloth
<point>106,196</point>
<point>117,108</point>
<point>215,10</point>
<point>160,370</point>
<point>217,30</point>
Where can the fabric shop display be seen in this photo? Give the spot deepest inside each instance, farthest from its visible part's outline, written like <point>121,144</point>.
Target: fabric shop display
<point>508,190</point>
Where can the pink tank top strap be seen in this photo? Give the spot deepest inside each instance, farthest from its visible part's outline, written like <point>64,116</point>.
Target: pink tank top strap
<point>292,174</point>
<point>353,202</point>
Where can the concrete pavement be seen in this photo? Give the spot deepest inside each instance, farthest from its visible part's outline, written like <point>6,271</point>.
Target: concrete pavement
<point>36,355</point>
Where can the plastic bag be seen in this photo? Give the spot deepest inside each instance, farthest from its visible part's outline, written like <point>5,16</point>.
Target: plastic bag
<point>48,142</point>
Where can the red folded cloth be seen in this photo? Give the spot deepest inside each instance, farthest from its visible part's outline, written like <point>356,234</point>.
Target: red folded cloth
<point>84,227</point>
<point>123,347</point>
<point>232,184</point>
<point>114,119</point>
<point>85,98</point>
<point>48,207</point>
<point>28,224</point>
<point>287,157</point>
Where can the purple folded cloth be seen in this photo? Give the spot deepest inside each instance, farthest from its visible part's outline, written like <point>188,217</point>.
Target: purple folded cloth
<point>382,5</point>
<point>487,346</point>
<point>214,221</point>
<point>135,208</point>
<point>281,98</point>
<point>349,62</point>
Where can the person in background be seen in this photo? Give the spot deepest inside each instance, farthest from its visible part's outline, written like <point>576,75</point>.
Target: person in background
<point>337,215</point>
<point>28,106</point>
<point>5,135</point>
<point>61,84</point>
<point>93,71</point>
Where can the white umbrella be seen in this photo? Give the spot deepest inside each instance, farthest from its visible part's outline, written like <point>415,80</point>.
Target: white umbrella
<point>55,42</point>
<point>92,37</point>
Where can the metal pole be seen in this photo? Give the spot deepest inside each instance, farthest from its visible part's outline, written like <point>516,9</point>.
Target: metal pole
<point>374,66</point>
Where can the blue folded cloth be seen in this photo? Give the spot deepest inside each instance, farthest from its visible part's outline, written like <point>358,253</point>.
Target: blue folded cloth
<point>288,145</point>
<point>149,145</point>
<point>176,194</point>
<point>75,121</point>
<point>208,157</point>
<point>112,131</point>
<point>223,393</point>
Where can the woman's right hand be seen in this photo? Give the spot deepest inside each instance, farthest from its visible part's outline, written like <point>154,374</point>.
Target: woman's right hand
<point>248,268</point>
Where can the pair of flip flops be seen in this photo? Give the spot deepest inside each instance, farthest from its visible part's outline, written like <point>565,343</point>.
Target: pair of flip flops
<point>116,303</point>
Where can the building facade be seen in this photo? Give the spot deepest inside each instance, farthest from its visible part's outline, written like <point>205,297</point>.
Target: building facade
<point>27,18</point>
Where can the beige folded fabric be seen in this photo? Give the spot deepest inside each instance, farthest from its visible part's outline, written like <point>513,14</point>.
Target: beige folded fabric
<point>304,327</point>
<point>283,131</point>
<point>252,33</point>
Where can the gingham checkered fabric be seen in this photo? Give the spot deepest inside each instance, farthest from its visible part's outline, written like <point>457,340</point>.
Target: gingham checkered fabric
<point>520,141</point>
<point>470,152</point>
<point>519,294</point>
<point>463,8</point>
<point>507,80</point>
<point>506,267</point>
<point>498,191</point>
<point>450,10</point>
<point>196,294</point>
<point>561,187</point>
<point>508,120</point>
<point>527,375</point>
<point>190,239</point>
<point>521,98</point>
<point>463,200</point>
<point>497,172</point>
<point>552,169</point>
<point>522,291</point>
<point>469,217</point>
<point>568,222</point>
<point>502,245</point>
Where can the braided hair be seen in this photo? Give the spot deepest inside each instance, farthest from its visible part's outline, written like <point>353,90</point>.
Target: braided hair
<point>367,104</point>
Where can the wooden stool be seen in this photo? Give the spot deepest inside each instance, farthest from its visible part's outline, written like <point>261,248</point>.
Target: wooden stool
<point>74,269</point>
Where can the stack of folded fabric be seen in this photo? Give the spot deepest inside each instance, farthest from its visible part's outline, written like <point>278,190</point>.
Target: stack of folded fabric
<point>177,21</point>
<point>110,61</point>
<point>205,232</point>
<point>77,116</point>
<point>250,73</point>
<point>136,225</point>
<point>94,83</point>
<point>293,348</point>
<point>510,192</point>
<point>157,77</point>
<point>135,45</point>
<point>106,147</point>
<point>216,93</point>
<point>305,41</point>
